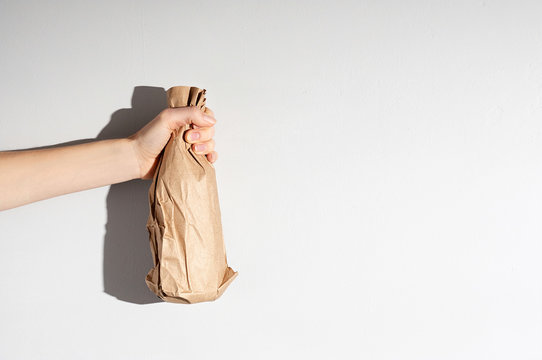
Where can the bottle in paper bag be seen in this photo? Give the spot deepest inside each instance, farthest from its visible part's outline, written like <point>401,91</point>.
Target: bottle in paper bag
<point>184,223</point>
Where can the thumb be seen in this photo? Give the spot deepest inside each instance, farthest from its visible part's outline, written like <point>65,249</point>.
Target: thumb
<point>177,117</point>
<point>209,111</point>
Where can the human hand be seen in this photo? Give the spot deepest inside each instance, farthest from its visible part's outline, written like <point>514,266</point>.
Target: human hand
<point>148,142</point>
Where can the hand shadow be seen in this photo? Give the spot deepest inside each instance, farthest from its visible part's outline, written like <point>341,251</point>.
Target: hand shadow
<point>127,254</point>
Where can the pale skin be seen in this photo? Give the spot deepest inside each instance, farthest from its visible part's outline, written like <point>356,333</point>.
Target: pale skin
<point>34,175</point>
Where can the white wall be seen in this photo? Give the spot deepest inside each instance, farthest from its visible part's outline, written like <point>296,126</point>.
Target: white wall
<point>380,178</point>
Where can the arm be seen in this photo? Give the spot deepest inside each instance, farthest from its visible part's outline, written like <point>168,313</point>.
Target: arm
<point>32,175</point>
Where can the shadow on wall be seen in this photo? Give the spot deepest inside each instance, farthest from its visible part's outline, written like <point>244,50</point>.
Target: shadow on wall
<point>127,254</point>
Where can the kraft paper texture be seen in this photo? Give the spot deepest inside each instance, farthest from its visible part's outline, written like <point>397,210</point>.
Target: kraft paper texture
<point>184,223</point>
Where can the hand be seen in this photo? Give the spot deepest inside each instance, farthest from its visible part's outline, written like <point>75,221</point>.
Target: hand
<point>153,137</point>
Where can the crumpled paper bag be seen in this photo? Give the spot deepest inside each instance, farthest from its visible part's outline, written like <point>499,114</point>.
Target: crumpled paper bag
<point>184,223</point>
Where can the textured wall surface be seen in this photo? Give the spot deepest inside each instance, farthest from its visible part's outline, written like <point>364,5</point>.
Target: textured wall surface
<point>380,178</point>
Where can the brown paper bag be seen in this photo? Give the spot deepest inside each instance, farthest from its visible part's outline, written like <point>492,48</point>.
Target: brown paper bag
<point>184,223</point>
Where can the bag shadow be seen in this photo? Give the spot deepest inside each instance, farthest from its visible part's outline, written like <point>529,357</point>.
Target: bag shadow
<point>127,255</point>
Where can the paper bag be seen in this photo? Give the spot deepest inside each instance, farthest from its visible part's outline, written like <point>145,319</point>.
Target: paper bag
<point>184,223</point>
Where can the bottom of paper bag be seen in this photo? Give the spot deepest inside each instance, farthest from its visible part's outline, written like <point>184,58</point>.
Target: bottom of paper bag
<point>190,297</point>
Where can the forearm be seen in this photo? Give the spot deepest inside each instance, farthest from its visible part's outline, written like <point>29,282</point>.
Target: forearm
<point>32,175</point>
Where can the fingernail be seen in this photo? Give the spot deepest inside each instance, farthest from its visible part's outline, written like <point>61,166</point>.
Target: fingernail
<point>208,119</point>
<point>200,147</point>
<point>194,135</point>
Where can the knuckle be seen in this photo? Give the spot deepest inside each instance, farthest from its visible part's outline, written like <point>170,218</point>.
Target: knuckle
<point>166,112</point>
<point>166,116</point>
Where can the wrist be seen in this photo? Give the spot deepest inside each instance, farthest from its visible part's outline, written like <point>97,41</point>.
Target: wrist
<point>133,162</point>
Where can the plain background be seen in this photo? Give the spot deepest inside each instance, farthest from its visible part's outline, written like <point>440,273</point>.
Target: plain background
<point>380,178</point>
